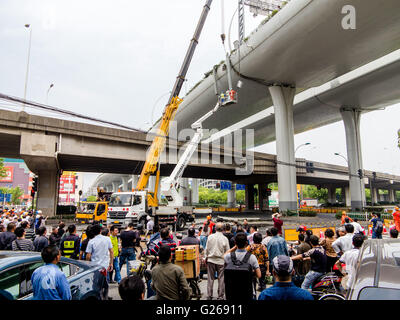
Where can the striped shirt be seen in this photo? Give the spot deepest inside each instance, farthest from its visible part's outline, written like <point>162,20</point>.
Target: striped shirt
<point>22,245</point>
<point>170,243</point>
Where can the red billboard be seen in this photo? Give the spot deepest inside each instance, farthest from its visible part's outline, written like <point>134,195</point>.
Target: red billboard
<point>10,175</point>
<point>67,184</point>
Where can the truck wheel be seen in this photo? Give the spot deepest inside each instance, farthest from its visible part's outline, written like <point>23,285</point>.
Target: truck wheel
<point>180,223</point>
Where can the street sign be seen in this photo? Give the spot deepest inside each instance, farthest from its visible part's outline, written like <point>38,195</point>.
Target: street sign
<point>225,185</point>
<point>240,187</point>
<point>7,196</point>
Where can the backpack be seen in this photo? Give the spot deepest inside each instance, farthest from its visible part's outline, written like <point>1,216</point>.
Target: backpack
<point>379,227</point>
<point>238,278</point>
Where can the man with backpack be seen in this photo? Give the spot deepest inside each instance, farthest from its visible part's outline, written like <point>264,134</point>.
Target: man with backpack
<point>240,268</point>
<point>377,226</point>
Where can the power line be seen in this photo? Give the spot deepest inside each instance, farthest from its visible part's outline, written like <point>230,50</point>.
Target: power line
<point>62,111</point>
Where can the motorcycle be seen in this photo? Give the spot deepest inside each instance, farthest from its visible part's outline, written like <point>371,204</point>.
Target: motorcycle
<point>329,286</point>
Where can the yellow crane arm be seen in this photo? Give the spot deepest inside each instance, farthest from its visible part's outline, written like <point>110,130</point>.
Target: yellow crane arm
<point>157,147</point>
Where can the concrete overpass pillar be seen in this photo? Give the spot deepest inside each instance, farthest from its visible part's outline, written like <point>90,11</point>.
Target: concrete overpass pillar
<point>332,194</point>
<point>184,191</point>
<point>282,98</point>
<point>232,196</point>
<point>125,183</point>
<point>374,195</point>
<point>47,196</point>
<point>263,203</point>
<point>347,196</point>
<point>351,119</point>
<point>134,181</point>
<point>115,186</point>
<point>249,196</point>
<point>195,191</point>
<point>392,195</point>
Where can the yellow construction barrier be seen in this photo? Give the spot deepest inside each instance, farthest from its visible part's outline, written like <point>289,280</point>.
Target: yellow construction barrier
<point>292,234</point>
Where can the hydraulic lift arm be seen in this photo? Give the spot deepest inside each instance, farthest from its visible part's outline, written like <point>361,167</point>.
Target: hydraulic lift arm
<point>170,185</point>
<point>158,144</point>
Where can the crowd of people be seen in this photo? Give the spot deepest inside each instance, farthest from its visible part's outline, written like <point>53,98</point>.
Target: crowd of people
<point>242,260</point>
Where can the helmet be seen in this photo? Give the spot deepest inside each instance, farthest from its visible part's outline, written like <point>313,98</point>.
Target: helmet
<point>139,226</point>
<point>343,212</point>
<point>209,217</point>
<point>301,228</point>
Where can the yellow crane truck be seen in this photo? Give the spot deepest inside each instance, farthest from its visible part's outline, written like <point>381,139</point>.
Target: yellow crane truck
<point>91,211</point>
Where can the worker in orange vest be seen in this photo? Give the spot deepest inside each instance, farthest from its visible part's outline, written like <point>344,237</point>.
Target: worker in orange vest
<point>344,216</point>
<point>210,224</point>
<point>396,218</point>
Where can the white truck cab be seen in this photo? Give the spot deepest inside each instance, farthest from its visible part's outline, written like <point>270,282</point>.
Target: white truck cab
<point>127,207</point>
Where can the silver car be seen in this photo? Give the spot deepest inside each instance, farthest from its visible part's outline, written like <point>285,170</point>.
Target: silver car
<point>378,271</point>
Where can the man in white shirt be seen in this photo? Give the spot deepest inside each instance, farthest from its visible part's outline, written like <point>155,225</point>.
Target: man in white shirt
<point>100,249</point>
<point>150,225</point>
<point>217,246</point>
<point>350,258</point>
<point>253,230</point>
<point>267,238</point>
<point>345,243</point>
<point>357,227</point>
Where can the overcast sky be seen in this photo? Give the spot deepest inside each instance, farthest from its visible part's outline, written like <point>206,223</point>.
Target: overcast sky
<point>117,60</point>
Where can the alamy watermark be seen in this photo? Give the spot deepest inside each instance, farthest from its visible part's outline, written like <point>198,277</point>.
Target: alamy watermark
<point>349,19</point>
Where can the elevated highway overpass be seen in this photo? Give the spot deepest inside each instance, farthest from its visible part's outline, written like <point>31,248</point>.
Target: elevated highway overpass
<point>302,47</point>
<point>49,145</point>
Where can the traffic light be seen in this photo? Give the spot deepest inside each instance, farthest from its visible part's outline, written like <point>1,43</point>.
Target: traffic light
<point>374,175</point>
<point>360,173</point>
<point>309,167</point>
<point>35,184</point>
<point>268,192</point>
<point>32,193</point>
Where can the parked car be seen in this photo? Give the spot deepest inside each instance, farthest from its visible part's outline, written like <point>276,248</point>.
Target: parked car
<point>378,271</point>
<point>87,279</point>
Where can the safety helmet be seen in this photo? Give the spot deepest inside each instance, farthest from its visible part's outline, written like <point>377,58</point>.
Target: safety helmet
<point>209,217</point>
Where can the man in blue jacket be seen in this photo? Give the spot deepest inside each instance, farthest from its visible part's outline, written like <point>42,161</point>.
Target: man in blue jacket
<point>48,281</point>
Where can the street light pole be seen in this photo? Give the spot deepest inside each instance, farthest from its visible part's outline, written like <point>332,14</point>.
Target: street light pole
<point>302,145</point>
<point>47,95</point>
<point>338,154</point>
<point>27,65</point>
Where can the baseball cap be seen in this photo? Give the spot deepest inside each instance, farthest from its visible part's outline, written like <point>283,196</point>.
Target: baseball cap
<point>282,265</point>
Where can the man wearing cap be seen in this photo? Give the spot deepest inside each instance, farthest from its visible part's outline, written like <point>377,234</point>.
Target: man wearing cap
<point>283,288</point>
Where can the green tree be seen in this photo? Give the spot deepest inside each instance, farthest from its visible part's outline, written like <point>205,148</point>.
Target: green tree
<point>3,172</point>
<point>91,198</point>
<point>16,194</point>
<point>313,193</point>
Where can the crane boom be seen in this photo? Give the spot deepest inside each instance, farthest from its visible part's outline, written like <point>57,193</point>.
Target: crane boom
<point>174,101</point>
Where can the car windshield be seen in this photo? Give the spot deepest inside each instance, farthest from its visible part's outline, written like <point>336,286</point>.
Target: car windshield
<point>88,207</point>
<point>373,293</point>
<point>120,200</point>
